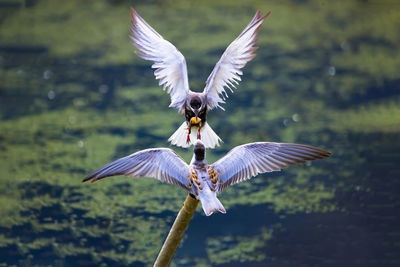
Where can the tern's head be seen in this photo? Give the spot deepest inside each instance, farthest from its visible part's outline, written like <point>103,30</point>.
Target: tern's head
<point>195,103</point>
<point>199,150</point>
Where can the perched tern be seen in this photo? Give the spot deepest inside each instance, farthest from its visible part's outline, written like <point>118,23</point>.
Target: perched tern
<point>204,181</point>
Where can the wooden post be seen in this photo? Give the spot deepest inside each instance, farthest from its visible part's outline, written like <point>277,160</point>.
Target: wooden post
<point>177,231</point>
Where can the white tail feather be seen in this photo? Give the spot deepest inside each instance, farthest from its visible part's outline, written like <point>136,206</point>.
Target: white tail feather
<point>178,138</point>
<point>207,135</point>
<point>211,203</point>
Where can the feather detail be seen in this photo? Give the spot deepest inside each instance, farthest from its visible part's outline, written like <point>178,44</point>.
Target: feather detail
<point>169,63</point>
<point>160,163</point>
<point>246,161</point>
<point>209,202</point>
<point>227,71</point>
<point>208,136</point>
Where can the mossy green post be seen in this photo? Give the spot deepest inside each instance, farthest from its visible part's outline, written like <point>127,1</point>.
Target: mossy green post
<point>177,231</point>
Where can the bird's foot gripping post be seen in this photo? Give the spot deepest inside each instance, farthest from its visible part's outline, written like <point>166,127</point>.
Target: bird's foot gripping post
<point>177,231</point>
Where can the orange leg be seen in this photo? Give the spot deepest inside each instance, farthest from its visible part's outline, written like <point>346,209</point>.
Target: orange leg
<point>188,136</point>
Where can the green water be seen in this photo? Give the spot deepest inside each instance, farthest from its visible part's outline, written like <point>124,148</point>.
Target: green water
<point>74,96</point>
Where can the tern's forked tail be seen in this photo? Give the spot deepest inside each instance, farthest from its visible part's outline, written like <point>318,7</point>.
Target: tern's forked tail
<point>207,135</point>
<point>211,203</point>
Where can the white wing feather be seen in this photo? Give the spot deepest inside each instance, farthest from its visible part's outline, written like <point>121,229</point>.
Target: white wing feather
<point>246,161</point>
<point>226,72</point>
<point>170,65</point>
<point>160,163</point>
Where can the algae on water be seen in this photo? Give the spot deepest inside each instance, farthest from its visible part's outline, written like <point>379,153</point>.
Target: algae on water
<point>74,96</point>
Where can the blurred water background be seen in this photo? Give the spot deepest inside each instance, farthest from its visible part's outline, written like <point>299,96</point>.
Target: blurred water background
<point>74,96</point>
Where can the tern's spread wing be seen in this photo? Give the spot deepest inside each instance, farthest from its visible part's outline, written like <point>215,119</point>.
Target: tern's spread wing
<point>246,161</point>
<point>160,163</point>
<point>169,63</point>
<point>227,70</point>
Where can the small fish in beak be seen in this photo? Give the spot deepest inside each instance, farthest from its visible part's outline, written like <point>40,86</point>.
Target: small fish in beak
<point>195,121</point>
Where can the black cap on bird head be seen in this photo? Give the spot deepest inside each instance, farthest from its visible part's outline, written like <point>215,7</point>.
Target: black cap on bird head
<point>199,150</point>
<point>195,103</point>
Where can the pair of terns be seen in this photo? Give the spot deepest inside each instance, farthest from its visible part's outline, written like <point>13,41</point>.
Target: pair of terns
<point>201,180</point>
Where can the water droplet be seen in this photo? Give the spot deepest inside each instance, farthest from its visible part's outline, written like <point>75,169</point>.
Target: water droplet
<point>332,71</point>
<point>80,143</point>
<point>79,102</point>
<point>285,122</point>
<point>103,88</point>
<point>344,45</point>
<point>51,95</point>
<point>47,74</point>
<point>227,238</point>
<point>295,117</point>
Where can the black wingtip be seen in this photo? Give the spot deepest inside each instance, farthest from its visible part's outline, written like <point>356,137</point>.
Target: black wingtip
<point>87,178</point>
<point>91,177</point>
